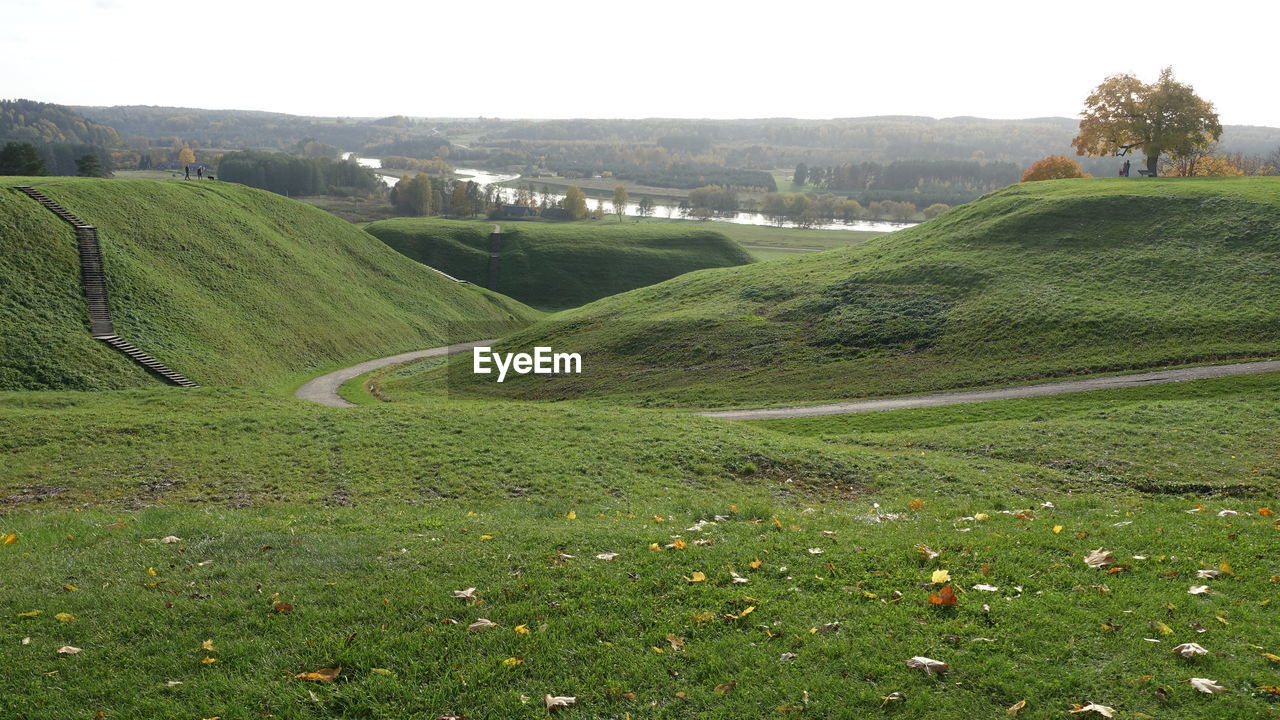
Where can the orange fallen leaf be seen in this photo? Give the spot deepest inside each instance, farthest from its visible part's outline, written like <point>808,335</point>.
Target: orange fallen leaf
<point>323,675</point>
<point>208,661</point>
<point>945,596</point>
<point>9,539</point>
<point>916,504</point>
<point>755,564</point>
<point>281,607</point>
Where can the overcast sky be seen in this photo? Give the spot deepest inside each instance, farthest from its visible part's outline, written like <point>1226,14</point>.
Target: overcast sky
<point>650,58</point>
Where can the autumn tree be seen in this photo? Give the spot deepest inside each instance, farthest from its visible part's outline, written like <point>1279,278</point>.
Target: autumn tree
<point>1124,114</point>
<point>620,201</point>
<point>575,202</point>
<point>186,156</point>
<point>1054,167</point>
<point>462,200</point>
<point>645,207</point>
<point>937,209</point>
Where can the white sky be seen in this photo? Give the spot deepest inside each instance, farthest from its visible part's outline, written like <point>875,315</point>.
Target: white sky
<point>649,58</point>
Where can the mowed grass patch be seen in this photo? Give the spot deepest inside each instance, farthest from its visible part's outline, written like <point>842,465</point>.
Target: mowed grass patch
<point>1039,280</point>
<point>556,266</point>
<point>192,628</point>
<point>226,284</point>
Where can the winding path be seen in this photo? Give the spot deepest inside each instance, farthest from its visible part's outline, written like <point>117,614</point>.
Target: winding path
<point>324,389</point>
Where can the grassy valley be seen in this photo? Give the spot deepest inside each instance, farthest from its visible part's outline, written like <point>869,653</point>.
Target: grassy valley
<point>1038,280</point>
<point>558,266</point>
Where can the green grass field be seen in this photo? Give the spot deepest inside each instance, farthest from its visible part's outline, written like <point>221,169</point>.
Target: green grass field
<point>441,553</point>
<point>226,284</point>
<point>365,521</point>
<point>1038,280</point>
<point>556,266</point>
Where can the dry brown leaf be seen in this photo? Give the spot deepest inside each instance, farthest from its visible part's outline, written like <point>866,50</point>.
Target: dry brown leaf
<point>926,552</point>
<point>281,607</point>
<point>1189,650</point>
<point>1102,710</point>
<point>1014,708</point>
<point>945,596</point>
<point>1098,558</point>
<point>1198,590</point>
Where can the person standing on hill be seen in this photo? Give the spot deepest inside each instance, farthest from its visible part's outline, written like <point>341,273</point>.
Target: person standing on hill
<point>1124,169</point>
<point>200,172</point>
<point>187,170</point>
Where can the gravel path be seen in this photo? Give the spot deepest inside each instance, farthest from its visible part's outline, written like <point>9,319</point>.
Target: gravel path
<point>324,389</point>
<point>1024,391</point>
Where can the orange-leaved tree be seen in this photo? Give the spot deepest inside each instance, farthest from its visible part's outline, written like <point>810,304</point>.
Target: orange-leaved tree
<point>1054,167</point>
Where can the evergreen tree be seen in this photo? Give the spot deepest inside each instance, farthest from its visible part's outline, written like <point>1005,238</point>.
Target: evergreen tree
<point>20,159</point>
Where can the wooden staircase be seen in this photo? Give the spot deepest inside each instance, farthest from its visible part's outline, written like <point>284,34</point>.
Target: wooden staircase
<point>94,282</point>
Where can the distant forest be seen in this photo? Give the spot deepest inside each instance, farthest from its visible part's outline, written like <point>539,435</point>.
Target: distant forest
<point>890,159</point>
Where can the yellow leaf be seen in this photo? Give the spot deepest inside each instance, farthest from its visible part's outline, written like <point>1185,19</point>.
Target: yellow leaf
<point>323,675</point>
<point>1014,708</point>
<point>65,617</point>
<point>733,509</point>
<point>9,539</point>
<point>572,515</point>
<point>1272,658</point>
<point>207,645</point>
<point>472,513</point>
<point>512,662</point>
<point>1225,567</point>
<point>941,576</point>
<point>30,613</point>
<point>208,661</point>
<point>777,523</point>
<point>486,536</point>
<point>655,547</point>
<point>679,544</point>
<point>656,650</point>
<point>916,504</point>
<point>382,671</point>
<point>981,516</point>
<point>522,629</point>
<point>701,617</point>
<point>70,588</point>
<point>755,564</point>
<point>724,688</point>
<point>1056,529</point>
<point>659,518</point>
<point>698,576</point>
<point>151,571</point>
<point>1161,627</point>
<point>750,609</point>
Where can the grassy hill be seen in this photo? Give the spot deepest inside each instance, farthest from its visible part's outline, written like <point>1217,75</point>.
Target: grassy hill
<point>1037,280</point>
<point>226,284</point>
<point>559,266</point>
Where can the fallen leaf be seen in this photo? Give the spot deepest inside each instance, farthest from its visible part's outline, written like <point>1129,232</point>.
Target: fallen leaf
<point>1198,590</point>
<point>1056,529</point>
<point>928,665</point>
<point>1098,558</point>
<point>1207,686</point>
<point>571,515</point>
<point>486,536</point>
<point>70,588</point>
<point>891,697</point>
<point>927,552</point>
<point>30,613</point>
<point>323,675</point>
<point>9,539</point>
<point>481,624</point>
<point>1102,710</point>
<point>65,617</point>
<point>755,564</point>
<point>26,641</point>
<point>207,645</point>
<point>655,547</point>
<point>815,551</point>
<point>945,596</point>
<point>701,617</point>
<point>787,656</point>
<point>1189,650</point>
<point>68,650</point>
<point>1161,627</point>
<point>724,688</point>
<point>697,577</point>
<point>152,572</point>
<point>281,607</point>
<point>382,671</point>
<point>512,661</point>
<point>986,588</point>
<point>940,576</point>
<point>607,556</point>
<point>171,539</point>
<point>208,661</point>
<point>1208,574</point>
<point>1265,512</point>
<point>916,504</point>
<point>1014,708</point>
<point>468,594</point>
<point>675,642</point>
<point>173,683</point>
<point>522,629</point>
<point>557,701</point>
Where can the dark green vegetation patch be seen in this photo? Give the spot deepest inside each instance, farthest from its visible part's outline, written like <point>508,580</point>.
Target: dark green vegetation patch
<point>559,266</point>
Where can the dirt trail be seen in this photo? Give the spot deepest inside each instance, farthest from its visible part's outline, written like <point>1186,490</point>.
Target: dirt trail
<point>324,389</point>
<point>1024,391</point>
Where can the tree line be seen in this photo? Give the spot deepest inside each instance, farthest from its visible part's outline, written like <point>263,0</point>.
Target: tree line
<point>293,175</point>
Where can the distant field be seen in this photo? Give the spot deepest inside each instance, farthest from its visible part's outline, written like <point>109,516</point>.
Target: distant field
<point>552,265</point>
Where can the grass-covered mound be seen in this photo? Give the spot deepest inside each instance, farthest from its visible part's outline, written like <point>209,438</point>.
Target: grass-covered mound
<point>223,283</point>
<point>559,266</point>
<point>1037,280</point>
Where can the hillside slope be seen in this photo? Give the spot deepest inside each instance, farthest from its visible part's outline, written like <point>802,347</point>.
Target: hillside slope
<point>1037,280</point>
<point>226,284</point>
<point>559,266</point>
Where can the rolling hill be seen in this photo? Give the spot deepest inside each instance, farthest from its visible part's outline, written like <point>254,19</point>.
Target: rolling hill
<point>559,266</point>
<point>226,284</point>
<point>1037,280</point>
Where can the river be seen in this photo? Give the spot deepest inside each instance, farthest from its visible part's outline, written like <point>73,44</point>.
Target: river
<point>485,178</point>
